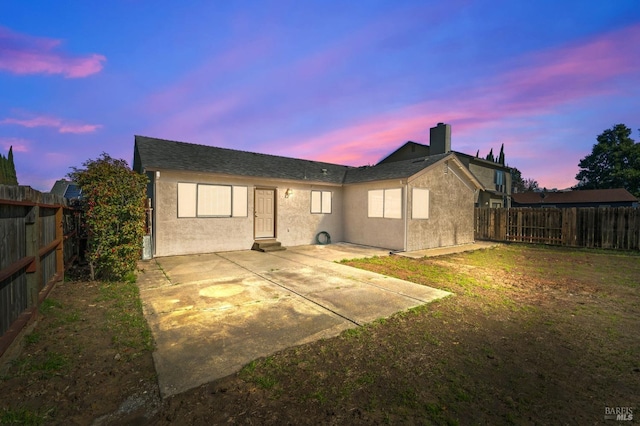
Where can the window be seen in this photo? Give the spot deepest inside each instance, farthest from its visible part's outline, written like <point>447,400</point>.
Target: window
<point>499,178</point>
<point>385,203</point>
<point>214,200</point>
<point>376,203</point>
<point>420,203</point>
<point>321,201</point>
<point>240,201</point>
<point>393,203</point>
<point>202,200</point>
<point>187,199</point>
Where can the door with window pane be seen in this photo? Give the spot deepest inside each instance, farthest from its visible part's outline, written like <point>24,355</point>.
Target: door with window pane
<point>264,213</point>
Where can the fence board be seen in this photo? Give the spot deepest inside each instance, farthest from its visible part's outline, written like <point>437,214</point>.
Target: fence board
<point>606,227</point>
<point>32,252</point>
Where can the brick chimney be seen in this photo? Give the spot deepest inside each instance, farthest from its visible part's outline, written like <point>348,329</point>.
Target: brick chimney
<point>440,139</point>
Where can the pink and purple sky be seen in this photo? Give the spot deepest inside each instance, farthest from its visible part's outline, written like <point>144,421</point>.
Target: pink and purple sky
<point>336,81</point>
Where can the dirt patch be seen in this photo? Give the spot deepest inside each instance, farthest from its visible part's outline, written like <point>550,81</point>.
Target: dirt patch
<point>80,364</point>
<point>532,335</point>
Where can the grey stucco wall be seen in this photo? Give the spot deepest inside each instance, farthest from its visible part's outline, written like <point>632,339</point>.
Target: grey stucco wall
<point>486,176</point>
<point>295,225</point>
<point>451,204</point>
<point>376,232</point>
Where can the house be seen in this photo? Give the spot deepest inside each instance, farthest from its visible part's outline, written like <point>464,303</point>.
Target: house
<point>494,177</point>
<point>66,189</point>
<point>618,197</point>
<point>208,199</point>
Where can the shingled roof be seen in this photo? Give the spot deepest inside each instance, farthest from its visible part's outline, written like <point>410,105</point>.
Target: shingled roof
<point>394,170</point>
<point>161,154</point>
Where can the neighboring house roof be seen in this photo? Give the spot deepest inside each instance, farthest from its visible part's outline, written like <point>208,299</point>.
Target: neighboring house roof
<point>405,169</point>
<point>602,196</point>
<point>417,150</point>
<point>159,154</point>
<point>482,161</point>
<point>407,151</point>
<point>66,189</point>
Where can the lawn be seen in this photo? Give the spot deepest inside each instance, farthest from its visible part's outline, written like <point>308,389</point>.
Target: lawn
<point>532,334</point>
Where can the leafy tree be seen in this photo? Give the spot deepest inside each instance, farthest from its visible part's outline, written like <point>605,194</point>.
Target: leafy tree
<point>518,184</point>
<point>614,162</point>
<point>113,199</point>
<point>530,185</point>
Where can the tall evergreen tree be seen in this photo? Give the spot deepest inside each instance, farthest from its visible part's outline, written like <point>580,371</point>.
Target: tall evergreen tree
<point>490,156</point>
<point>501,156</point>
<point>8,174</point>
<point>12,168</point>
<point>4,175</point>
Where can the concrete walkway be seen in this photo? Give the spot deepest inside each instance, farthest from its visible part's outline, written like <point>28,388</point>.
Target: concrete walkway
<point>211,314</point>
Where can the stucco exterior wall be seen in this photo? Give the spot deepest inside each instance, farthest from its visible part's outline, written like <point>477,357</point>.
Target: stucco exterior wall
<point>295,225</point>
<point>376,232</point>
<point>486,176</point>
<point>451,206</point>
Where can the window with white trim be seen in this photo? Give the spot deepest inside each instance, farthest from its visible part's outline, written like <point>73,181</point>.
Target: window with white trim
<point>385,203</point>
<point>420,203</point>
<point>206,200</point>
<point>321,202</point>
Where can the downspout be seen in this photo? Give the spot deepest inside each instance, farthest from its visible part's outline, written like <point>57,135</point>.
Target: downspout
<point>406,220</point>
<point>153,213</point>
<point>406,215</point>
<point>152,175</point>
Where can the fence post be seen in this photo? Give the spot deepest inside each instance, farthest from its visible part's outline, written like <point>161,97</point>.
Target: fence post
<point>504,222</point>
<point>34,271</point>
<point>60,239</point>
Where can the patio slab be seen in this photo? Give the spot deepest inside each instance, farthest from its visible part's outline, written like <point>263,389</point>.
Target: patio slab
<point>211,314</point>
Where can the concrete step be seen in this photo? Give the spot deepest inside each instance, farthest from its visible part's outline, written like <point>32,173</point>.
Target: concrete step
<point>267,245</point>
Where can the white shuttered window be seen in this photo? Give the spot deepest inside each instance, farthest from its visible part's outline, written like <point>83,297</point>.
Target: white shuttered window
<point>420,203</point>
<point>386,203</point>
<point>321,201</point>
<point>204,200</point>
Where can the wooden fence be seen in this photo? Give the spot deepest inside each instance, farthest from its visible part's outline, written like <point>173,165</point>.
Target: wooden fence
<point>38,241</point>
<point>605,227</point>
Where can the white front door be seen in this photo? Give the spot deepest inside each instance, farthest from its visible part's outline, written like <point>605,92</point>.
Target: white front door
<point>264,213</point>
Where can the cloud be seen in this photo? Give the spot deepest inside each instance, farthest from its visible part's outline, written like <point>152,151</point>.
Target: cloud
<point>79,128</point>
<point>18,144</point>
<point>45,121</point>
<point>25,54</point>
<point>508,108</point>
<point>561,75</point>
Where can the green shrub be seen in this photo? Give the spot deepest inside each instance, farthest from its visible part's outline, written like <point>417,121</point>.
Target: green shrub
<point>113,199</point>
